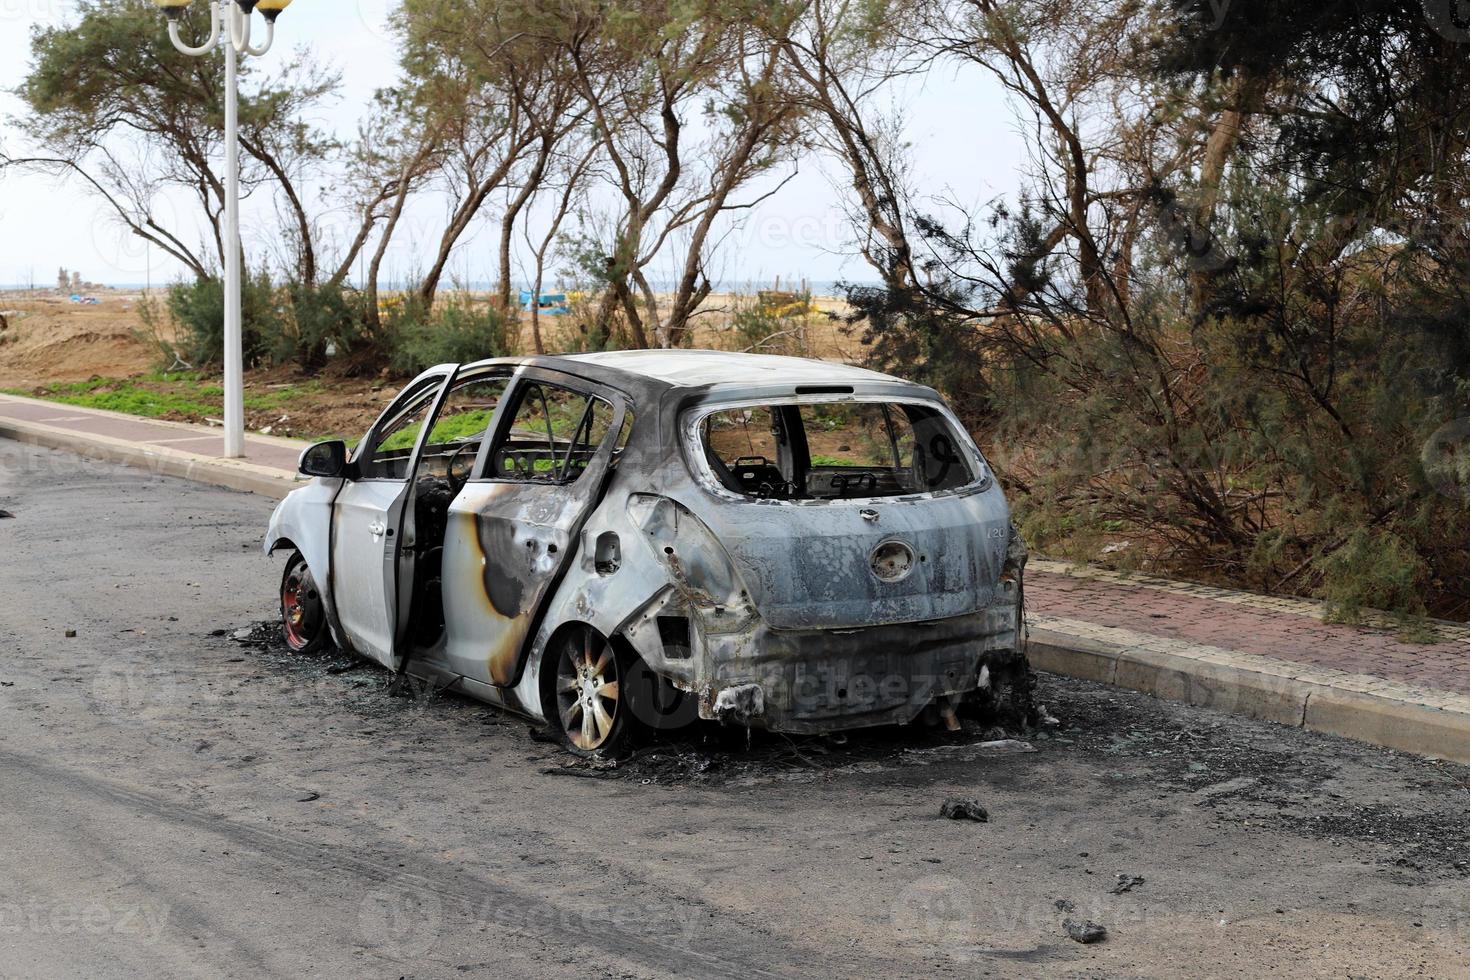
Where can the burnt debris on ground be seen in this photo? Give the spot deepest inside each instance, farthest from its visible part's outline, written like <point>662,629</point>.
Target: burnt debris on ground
<point>1239,772</point>
<point>365,685</point>
<point>1085,932</point>
<point>964,808</point>
<point>707,753</point>
<point>1256,773</point>
<point>1126,883</point>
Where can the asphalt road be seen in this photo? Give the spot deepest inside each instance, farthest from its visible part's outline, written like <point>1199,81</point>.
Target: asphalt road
<point>176,803</point>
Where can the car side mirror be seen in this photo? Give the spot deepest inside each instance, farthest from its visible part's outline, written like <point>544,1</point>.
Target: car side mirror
<point>325,459</point>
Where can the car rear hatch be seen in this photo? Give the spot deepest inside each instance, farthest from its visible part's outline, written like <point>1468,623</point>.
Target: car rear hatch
<point>827,530</point>
<point>840,565</point>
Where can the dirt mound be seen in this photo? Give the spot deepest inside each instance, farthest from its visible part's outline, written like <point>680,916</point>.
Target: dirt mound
<point>51,339</point>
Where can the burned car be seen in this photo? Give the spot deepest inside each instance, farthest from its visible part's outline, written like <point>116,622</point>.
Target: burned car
<point>606,541</point>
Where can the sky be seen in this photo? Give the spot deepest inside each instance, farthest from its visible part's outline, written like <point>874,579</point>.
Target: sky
<point>964,141</point>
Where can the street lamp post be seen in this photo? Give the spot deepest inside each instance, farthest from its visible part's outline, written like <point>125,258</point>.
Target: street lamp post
<point>229,29</point>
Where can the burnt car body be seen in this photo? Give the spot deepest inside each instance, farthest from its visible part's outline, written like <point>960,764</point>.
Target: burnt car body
<point>597,540</point>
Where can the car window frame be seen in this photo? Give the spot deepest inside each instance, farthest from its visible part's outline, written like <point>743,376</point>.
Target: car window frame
<point>469,374</point>
<point>618,400</point>
<point>412,390</point>
<point>691,422</point>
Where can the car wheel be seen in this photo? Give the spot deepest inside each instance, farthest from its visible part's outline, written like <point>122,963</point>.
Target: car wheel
<point>303,615</point>
<point>589,703</point>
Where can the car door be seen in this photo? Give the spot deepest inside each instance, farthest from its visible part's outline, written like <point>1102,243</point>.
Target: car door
<point>371,519</point>
<point>516,524</point>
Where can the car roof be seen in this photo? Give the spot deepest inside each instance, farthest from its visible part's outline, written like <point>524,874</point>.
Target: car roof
<point>703,368</point>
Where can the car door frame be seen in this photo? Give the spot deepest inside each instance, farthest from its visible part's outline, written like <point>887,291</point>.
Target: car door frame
<point>465,374</point>
<point>398,526</point>
<point>505,668</point>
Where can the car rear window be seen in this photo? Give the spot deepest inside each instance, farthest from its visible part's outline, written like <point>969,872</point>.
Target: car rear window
<point>834,450</point>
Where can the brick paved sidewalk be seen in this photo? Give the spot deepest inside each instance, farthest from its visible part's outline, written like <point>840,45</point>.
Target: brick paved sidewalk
<point>279,454</point>
<point>1280,628</point>
<point>1177,640</point>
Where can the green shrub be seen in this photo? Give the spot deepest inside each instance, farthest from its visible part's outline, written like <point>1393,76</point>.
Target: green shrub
<point>291,324</point>
<point>1270,435</point>
<point>198,307</point>
<point>1376,570</point>
<point>314,320</point>
<point>454,331</point>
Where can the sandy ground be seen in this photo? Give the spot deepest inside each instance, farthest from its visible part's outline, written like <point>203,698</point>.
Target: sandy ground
<point>180,804</point>
<point>48,338</point>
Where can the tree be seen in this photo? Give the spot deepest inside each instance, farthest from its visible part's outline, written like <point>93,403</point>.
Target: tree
<point>499,96</point>
<point>110,102</point>
<point>644,70</point>
<point>567,187</point>
<point>388,162</point>
<point>1239,249</point>
<point>838,55</point>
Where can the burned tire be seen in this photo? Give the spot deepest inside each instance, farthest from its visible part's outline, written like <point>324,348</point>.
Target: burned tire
<point>1007,698</point>
<point>303,613</point>
<point>585,693</point>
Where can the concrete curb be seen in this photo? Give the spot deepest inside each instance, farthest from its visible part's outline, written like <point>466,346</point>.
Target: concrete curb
<point>1291,605</point>
<point>1368,709</point>
<point>157,460</point>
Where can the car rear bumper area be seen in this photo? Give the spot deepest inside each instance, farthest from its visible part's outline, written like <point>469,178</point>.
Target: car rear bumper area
<point>829,680</point>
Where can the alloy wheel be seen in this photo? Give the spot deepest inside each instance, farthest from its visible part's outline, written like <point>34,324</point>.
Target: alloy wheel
<point>588,691</point>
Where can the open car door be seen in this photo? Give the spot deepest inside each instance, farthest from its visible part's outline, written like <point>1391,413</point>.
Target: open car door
<point>516,524</point>
<point>372,524</point>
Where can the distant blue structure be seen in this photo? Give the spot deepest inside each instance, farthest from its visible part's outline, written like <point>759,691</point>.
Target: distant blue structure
<point>552,304</point>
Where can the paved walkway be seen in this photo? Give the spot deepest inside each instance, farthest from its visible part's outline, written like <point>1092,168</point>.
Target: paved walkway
<point>203,440</point>
<point>1281,628</point>
<point>1262,656</point>
<point>163,448</point>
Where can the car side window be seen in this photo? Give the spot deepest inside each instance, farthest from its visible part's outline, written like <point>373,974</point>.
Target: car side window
<point>553,435</point>
<point>390,448</point>
<point>467,411</point>
<point>461,425</point>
